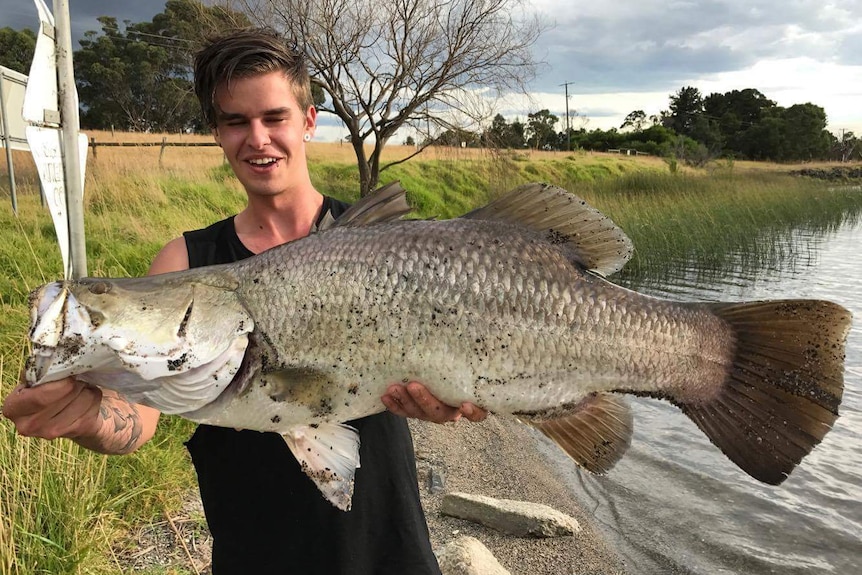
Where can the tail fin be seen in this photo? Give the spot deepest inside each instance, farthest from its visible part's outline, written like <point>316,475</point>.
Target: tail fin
<point>782,393</point>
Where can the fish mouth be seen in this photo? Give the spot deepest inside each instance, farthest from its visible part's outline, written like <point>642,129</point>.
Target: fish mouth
<point>57,332</point>
<point>182,367</point>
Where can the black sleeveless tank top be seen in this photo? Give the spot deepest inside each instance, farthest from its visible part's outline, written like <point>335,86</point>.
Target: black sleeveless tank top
<point>265,514</point>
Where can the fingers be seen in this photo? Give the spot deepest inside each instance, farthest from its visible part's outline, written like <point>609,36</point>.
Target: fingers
<point>65,408</point>
<point>28,400</point>
<point>473,413</point>
<point>414,400</point>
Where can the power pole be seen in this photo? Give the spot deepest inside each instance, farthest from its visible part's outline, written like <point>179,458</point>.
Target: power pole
<point>568,128</point>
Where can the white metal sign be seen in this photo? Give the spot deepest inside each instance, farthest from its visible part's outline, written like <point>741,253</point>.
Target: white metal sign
<point>12,85</point>
<point>41,105</point>
<point>46,148</point>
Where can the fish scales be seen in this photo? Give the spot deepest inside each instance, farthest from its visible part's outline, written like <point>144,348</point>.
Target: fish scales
<point>428,300</point>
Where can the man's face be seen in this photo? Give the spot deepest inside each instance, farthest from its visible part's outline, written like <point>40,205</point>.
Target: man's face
<point>260,126</point>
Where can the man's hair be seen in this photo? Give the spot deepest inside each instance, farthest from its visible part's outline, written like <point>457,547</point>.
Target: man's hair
<point>243,53</point>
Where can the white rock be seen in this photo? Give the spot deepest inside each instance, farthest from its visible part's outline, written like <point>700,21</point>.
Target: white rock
<point>468,556</point>
<point>518,518</point>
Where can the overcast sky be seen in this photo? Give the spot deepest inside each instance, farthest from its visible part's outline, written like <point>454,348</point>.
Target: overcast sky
<point>626,55</point>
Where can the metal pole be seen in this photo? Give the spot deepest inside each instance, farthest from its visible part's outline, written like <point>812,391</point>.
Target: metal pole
<point>70,123</point>
<point>568,128</point>
<point>7,142</point>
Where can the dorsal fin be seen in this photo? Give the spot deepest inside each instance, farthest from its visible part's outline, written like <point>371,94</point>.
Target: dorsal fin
<point>564,219</point>
<point>385,204</point>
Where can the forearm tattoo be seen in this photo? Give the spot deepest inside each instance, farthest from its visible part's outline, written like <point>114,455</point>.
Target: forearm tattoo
<point>121,426</point>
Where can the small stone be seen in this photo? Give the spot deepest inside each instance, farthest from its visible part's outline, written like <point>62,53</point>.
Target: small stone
<point>519,518</point>
<point>468,556</point>
<point>436,480</point>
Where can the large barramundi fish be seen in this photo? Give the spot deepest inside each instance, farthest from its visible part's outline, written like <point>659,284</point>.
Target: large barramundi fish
<point>506,307</point>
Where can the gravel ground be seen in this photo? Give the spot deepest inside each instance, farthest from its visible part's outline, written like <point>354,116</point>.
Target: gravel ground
<point>497,458</point>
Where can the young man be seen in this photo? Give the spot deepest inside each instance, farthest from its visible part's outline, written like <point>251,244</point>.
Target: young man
<point>265,515</point>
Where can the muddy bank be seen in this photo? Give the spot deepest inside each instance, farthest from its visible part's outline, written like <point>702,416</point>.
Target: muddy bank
<point>832,174</point>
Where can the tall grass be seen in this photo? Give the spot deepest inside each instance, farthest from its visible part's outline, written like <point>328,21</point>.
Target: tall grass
<point>717,219</point>
<point>66,510</point>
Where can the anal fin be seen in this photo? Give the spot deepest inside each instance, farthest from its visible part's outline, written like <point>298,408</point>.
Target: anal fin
<point>596,432</point>
<point>329,455</point>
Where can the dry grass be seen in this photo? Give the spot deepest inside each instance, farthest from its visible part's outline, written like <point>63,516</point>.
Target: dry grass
<point>140,171</point>
<point>108,166</point>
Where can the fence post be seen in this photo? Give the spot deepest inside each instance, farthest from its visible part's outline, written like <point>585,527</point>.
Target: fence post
<point>93,145</point>
<point>162,151</point>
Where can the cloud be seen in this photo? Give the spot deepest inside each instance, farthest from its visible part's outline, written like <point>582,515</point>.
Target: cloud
<point>617,45</point>
<point>632,54</point>
<point>622,56</point>
<point>19,14</point>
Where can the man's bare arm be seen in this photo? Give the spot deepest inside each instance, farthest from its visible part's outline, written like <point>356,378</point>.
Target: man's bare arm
<point>123,426</point>
<point>97,419</point>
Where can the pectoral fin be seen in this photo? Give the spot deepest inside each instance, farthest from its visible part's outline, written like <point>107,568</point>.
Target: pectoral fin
<point>595,432</point>
<point>329,455</point>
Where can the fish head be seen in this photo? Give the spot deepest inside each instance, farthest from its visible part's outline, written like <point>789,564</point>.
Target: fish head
<point>174,345</point>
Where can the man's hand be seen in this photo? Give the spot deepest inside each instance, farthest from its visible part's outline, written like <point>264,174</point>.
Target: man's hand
<point>100,420</point>
<point>414,400</point>
<point>64,408</point>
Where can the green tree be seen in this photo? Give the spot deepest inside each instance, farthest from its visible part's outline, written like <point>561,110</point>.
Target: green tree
<point>541,133</point>
<point>127,81</point>
<point>806,137</point>
<point>788,134</point>
<point>746,106</point>
<point>734,112</point>
<point>656,140</point>
<point>517,135</point>
<point>138,76</point>
<point>765,139</point>
<point>456,138</point>
<point>600,140</point>
<point>635,120</point>
<point>686,107</point>
<point>16,49</point>
<point>501,134</point>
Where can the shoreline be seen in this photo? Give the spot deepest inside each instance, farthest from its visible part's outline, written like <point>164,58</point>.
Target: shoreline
<point>499,458</point>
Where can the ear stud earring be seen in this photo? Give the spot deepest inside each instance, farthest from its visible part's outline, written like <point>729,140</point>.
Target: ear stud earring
<point>307,137</point>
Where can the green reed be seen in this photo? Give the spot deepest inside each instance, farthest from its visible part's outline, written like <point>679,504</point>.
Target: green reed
<point>719,219</point>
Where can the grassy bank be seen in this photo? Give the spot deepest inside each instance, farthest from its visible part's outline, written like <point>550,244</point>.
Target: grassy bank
<point>65,510</point>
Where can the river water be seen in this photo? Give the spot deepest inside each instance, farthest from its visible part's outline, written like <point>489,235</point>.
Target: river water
<point>675,504</point>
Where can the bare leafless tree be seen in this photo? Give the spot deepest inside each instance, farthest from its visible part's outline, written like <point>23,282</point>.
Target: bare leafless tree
<point>388,64</point>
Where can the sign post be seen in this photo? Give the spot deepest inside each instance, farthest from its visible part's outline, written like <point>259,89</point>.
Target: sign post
<point>59,150</point>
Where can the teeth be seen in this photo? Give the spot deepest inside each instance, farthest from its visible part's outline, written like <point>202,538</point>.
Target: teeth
<point>263,161</point>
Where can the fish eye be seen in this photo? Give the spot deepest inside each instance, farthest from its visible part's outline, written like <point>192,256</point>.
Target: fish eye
<point>99,288</point>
